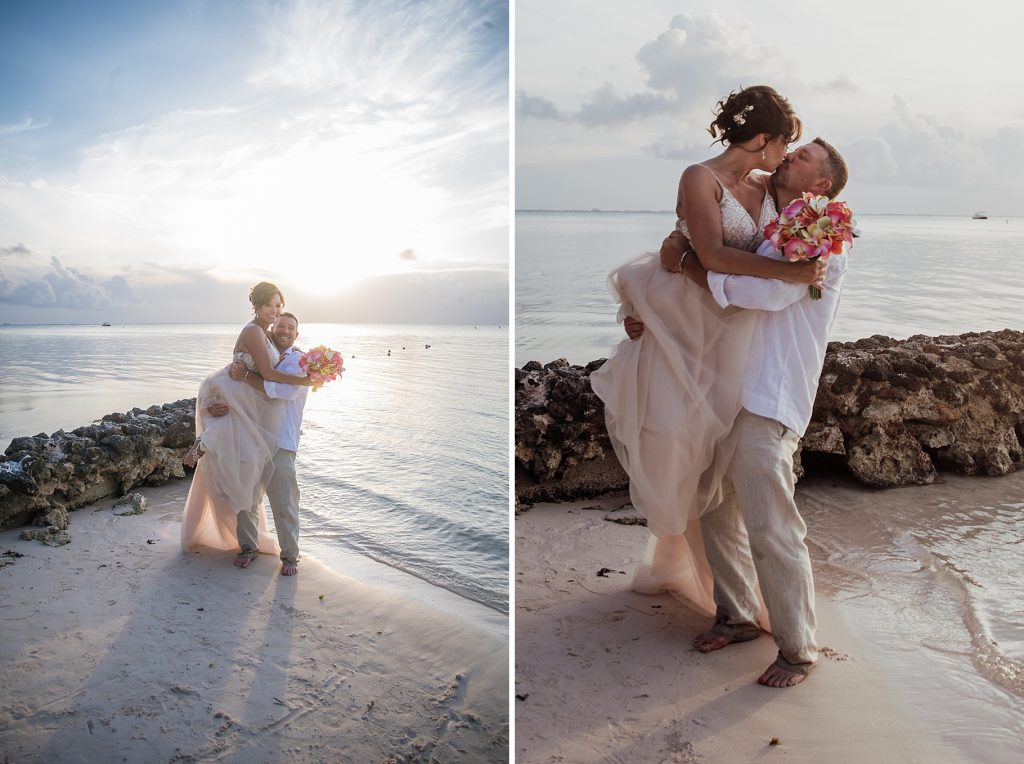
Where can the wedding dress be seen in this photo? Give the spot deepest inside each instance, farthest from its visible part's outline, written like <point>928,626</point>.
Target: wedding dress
<point>671,397</point>
<point>238,460</point>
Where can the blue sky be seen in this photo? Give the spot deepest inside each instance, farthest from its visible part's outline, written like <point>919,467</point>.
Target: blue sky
<point>157,158</point>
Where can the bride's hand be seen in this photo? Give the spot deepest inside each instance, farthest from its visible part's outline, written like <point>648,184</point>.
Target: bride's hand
<point>806,272</point>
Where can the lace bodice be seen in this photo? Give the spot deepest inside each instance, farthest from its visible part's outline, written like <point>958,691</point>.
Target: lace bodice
<point>247,359</point>
<point>739,230</point>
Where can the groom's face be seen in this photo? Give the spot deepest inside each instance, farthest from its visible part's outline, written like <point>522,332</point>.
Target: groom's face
<point>802,168</point>
<point>285,332</point>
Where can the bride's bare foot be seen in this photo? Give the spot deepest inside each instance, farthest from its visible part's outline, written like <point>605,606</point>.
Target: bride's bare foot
<point>776,676</point>
<point>709,641</point>
<point>289,569</point>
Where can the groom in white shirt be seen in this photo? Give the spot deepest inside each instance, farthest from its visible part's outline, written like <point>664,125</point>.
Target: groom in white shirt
<point>755,536</point>
<point>283,489</point>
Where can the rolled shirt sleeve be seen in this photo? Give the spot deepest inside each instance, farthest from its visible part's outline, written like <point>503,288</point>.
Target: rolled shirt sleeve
<point>758,293</point>
<point>281,390</point>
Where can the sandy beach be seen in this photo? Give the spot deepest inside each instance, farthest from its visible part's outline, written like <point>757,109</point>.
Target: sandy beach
<point>607,675</point>
<point>121,647</point>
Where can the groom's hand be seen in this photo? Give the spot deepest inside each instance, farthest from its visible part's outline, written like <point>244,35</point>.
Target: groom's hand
<point>672,250</point>
<point>217,409</point>
<point>634,327</point>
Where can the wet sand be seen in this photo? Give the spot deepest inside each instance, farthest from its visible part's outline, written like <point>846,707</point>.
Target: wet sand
<point>121,647</point>
<point>604,674</point>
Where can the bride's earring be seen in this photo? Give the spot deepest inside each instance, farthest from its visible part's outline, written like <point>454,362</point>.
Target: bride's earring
<point>762,154</point>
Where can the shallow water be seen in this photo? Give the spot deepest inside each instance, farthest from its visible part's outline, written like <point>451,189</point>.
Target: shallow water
<point>404,461</point>
<point>907,275</point>
<point>931,577</point>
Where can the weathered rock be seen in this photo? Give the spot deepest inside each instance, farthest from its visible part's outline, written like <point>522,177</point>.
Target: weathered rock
<point>52,536</point>
<point>562,448</point>
<point>46,474</point>
<point>131,504</point>
<point>895,412</point>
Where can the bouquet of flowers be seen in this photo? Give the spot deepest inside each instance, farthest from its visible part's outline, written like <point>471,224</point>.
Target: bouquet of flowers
<point>322,365</point>
<point>809,228</point>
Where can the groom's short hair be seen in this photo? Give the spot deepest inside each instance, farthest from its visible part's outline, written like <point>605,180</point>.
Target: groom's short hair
<point>292,317</point>
<point>834,167</point>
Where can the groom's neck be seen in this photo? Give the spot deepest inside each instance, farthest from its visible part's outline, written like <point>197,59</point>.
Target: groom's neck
<point>783,195</point>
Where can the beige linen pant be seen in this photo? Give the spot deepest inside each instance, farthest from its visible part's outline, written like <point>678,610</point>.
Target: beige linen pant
<point>756,535</point>
<point>283,492</point>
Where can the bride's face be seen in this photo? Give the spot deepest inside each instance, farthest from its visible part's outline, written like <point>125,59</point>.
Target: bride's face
<point>774,152</point>
<point>269,311</point>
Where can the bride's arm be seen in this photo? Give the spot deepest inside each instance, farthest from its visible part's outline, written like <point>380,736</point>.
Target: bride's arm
<point>700,207</point>
<point>252,339</point>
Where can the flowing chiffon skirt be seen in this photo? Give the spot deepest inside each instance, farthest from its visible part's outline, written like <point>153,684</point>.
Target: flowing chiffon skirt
<point>671,398</point>
<point>237,465</point>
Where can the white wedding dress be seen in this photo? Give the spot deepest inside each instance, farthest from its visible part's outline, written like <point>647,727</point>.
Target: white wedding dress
<point>238,461</point>
<point>671,397</point>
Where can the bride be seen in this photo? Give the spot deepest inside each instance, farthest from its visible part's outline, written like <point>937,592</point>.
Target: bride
<point>672,395</point>
<point>237,449</point>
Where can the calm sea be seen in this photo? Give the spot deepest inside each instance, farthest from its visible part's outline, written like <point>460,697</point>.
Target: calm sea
<point>908,275</point>
<point>404,461</point>
<point>928,575</point>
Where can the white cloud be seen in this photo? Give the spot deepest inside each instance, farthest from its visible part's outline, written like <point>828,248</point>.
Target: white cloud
<point>28,123</point>
<point>363,131</point>
<point>63,287</point>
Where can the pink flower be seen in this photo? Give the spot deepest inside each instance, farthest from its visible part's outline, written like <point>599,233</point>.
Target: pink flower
<point>798,249</point>
<point>793,208</point>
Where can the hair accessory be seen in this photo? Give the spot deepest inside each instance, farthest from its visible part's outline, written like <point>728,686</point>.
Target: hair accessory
<point>740,117</point>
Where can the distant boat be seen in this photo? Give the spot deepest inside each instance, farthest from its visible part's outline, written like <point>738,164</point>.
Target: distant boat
<point>979,216</point>
<point>106,323</point>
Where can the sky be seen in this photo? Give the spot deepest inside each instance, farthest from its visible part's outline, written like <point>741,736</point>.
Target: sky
<point>160,157</point>
<point>924,101</point>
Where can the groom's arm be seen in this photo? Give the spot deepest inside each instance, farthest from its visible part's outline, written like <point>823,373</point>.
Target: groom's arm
<point>769,294</point>
<point>282,390</point>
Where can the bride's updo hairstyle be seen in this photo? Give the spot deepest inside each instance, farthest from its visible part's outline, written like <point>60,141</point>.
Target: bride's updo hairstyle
<point>263,293</point>
<point>752,111</point>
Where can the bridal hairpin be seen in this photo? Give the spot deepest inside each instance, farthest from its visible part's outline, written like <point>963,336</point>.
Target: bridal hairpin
<point>740,117</point>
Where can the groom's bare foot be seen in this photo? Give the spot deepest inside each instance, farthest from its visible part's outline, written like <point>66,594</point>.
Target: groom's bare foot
<point>776,676</point>
<point>243,561</point>
<point>289,569</point>
<point>709,641</point>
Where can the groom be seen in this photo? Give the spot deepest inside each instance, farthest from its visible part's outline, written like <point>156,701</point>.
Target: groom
<point>283,489</point>
<point>756,534</point>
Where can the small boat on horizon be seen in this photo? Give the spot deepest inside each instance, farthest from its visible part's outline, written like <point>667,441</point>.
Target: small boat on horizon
<point>105,323</point>
<point>979,216</point>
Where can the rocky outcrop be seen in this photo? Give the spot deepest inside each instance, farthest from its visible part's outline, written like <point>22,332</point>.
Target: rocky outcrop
<point>892,412</point>
<point>43,477</point>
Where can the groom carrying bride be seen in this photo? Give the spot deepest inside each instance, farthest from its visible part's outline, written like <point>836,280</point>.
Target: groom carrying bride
<point>753,533</point>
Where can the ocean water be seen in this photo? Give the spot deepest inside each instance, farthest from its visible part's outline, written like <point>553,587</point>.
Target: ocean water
<point>404,461</point>
<point>908,275</point>
<point>930,575</point>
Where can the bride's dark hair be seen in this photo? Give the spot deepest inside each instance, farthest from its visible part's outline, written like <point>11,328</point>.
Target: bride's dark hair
<point>752,111</point>
<point>263,293</point>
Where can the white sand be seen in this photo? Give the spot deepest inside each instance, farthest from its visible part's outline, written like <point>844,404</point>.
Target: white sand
<point>116,649</point>
<point>609,676</point>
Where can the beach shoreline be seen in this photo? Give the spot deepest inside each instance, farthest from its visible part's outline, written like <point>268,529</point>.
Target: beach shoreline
<point>122,645</point>
<point>603,673</point>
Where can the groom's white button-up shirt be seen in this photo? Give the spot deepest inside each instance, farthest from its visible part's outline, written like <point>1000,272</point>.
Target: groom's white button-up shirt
<point>294,397</point>
<point>781,378</point>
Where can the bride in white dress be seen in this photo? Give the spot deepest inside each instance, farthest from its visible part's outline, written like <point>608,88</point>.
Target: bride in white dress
<point>672,395</point>
<point>237,448</point>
